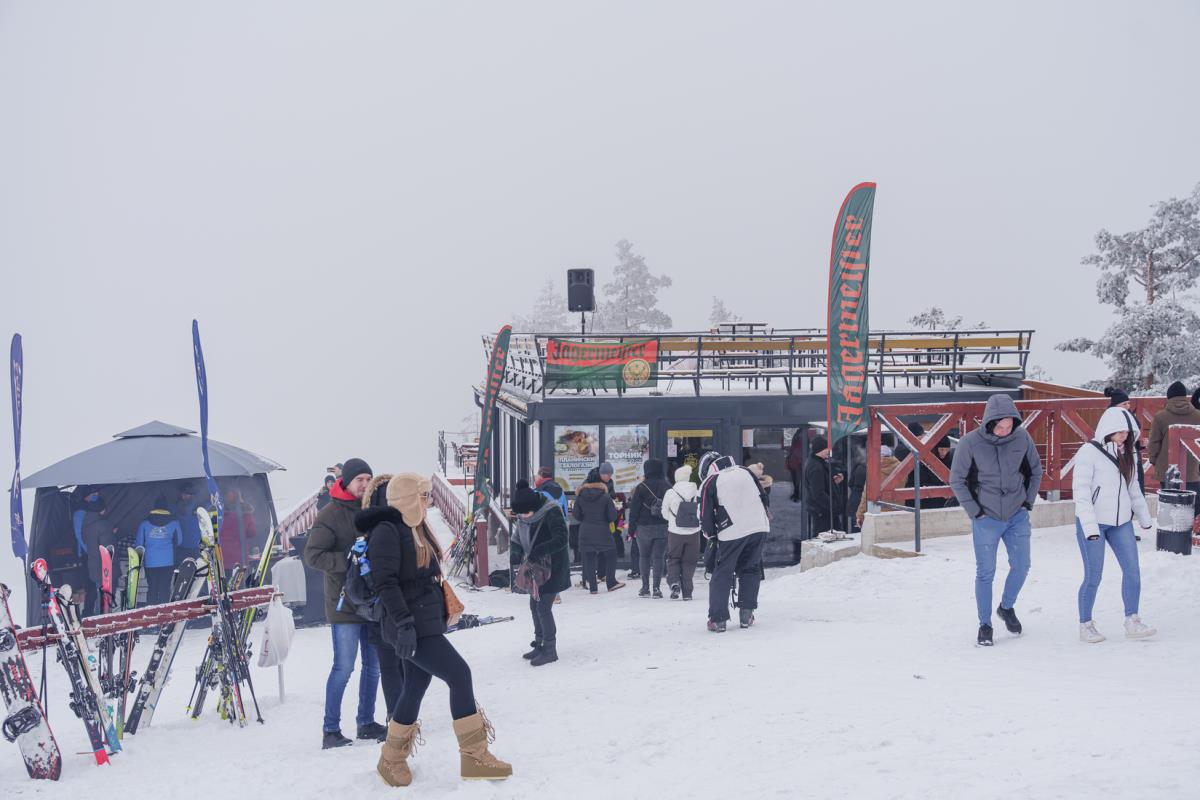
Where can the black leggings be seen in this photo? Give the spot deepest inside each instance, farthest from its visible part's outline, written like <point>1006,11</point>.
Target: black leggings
<point>435,656</point>
<point>391,669</point>
<point>542,611</point>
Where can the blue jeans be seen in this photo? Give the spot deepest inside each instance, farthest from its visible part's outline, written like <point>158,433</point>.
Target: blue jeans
<point>1124,546</point>
<point>347,640</point>
<point>987,533</point>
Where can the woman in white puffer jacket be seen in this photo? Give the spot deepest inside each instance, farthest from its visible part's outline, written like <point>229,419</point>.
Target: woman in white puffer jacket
<point>1107,499</point>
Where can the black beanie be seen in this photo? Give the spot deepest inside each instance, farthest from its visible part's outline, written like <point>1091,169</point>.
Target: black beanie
<point>820,444</point>
<point>1115,396</point>
<point>1177,389</point>
<point>352,468</point>
<point>1196,398</point>
<point>526,500</point>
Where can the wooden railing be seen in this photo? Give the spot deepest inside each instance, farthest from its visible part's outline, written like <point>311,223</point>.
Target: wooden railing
<point>1058,427</point>
<point>909,358</point>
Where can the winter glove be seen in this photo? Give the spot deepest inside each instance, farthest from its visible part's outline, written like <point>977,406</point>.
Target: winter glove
<point>406,638</point>
<point>1027,506</point>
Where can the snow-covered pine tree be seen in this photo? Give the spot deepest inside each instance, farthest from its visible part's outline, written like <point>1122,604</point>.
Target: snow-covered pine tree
<point>720,313</point>
<point>549,313</point>
<point>935,319</point>
<point>630,301</point>
<point>1153,341</point>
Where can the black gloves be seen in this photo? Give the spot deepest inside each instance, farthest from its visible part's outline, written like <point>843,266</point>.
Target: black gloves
<point>406,638</point>
<point>1027,506</point>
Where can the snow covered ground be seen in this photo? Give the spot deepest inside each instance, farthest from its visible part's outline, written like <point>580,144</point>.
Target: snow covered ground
<point>860,680</point>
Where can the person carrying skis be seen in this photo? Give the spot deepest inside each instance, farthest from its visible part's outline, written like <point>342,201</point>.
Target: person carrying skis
<point>1107,500</point>
<point>995,475</point>
<point>328,547</point>
<point>733,509</point>
<point>158,536</point>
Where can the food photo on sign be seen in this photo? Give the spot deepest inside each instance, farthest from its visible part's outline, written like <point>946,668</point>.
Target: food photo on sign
<point>627,447</point>
<point>576,452</point>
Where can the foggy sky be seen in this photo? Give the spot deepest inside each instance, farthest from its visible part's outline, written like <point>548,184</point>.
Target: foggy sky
<point>347,195</point>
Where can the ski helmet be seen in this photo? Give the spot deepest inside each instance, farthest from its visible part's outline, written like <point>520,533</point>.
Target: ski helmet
<point>706,461</point>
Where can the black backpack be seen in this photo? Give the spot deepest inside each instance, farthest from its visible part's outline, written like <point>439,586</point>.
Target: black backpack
<point>687,515</point>
<point>655,505</point>
<point>359,586</point>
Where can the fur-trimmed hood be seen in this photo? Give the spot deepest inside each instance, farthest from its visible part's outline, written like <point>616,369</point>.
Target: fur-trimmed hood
<point>369,499</point>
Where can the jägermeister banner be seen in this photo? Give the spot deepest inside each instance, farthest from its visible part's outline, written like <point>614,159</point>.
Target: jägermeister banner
<point>491,391</point>
<point>849,262</point>
<point>587,365</point>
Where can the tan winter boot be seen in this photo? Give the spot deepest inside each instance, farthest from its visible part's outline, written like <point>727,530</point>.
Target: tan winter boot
<point>474,733</point>
<point>402,741</point>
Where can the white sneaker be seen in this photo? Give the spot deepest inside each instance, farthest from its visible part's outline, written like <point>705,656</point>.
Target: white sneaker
<point>1089,634</point>
<point>1136,629</point>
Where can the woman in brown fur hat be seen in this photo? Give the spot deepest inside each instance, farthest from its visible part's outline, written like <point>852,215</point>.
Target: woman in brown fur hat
<point>406,567</point>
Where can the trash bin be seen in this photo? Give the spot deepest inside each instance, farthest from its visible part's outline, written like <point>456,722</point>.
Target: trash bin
<point>1176,512</point>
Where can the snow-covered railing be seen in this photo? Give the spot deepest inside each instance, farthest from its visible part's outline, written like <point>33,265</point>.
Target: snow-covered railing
<point>449,502</point>
<point>908,358</point>
<point>1058,427</point>
<point>298,521</point>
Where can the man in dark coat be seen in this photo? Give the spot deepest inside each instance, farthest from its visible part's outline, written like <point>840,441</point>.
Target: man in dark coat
<point>96,532</point>
<point>816,487</point>
<point>1178,411</point>
<point>329,544</point>
<point>648,529</point>
<point>539,541</point>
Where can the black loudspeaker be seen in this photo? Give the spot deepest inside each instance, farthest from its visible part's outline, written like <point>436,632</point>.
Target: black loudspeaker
<point>581,290</point>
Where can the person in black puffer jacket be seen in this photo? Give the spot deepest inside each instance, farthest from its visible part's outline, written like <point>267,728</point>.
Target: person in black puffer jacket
<point>540,538</point>
<point>406,566</point>
<point>650,528</point>
<point>595,512</point>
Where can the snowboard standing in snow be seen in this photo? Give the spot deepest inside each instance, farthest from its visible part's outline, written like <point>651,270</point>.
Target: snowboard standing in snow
<point>24,720</point>
<point>189,579</point>
<point>86,699</point>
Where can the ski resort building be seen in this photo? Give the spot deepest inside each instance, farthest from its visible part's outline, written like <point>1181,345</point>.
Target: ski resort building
<point>572,402</point>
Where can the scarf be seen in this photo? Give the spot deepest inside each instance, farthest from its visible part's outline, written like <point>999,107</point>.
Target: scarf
<point>523,534</point>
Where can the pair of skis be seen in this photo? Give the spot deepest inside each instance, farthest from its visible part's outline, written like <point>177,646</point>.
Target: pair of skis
<point>82,666</point>
<point>189,579</point>
<point>226,663</point>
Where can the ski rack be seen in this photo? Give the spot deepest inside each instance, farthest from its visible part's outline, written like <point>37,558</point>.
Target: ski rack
<point>32,639</point>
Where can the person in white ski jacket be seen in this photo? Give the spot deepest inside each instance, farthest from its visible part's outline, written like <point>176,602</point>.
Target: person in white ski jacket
<point>1107,500</point>
<point>681,509</point>
<point>733,509</point>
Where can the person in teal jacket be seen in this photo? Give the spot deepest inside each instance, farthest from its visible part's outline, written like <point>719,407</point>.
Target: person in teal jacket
<point>159,535</point>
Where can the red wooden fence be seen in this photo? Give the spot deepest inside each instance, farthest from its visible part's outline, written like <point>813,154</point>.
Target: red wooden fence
<point>1058,427</point>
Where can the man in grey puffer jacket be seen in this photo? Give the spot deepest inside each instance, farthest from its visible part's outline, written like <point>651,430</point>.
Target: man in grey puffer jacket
<point>995,476</point>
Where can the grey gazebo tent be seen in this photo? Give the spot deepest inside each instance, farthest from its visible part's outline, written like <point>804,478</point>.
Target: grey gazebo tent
<point>138,469</point>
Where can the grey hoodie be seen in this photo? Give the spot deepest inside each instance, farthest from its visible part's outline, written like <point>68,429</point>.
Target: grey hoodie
<point>996,476</point>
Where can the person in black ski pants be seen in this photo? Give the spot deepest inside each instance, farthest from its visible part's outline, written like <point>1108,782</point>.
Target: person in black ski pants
<point>406,565</point>
<point>733,508</point>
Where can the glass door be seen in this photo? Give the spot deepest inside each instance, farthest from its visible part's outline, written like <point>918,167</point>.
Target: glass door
<point>686,442</point>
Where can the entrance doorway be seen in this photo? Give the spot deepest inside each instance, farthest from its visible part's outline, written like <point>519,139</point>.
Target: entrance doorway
<point>686,444</point>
